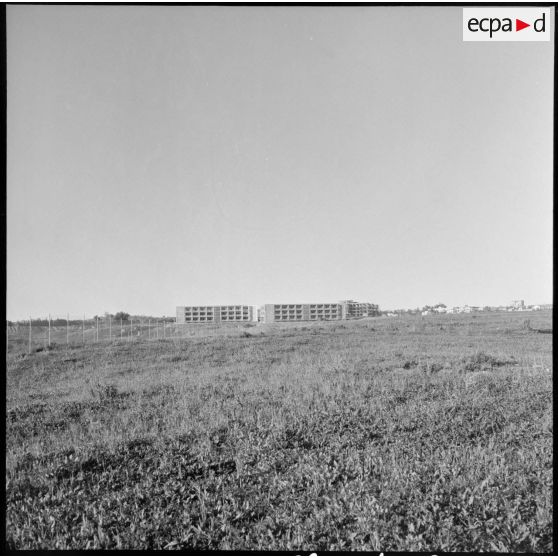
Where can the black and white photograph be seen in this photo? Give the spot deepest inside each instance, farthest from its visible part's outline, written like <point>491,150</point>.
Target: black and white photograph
<point>279,278</point>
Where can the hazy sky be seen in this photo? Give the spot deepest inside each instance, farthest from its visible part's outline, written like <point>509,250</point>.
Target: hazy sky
<point>164,156</point>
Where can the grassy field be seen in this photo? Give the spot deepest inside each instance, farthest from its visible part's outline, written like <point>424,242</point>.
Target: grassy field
<point>425,434</point>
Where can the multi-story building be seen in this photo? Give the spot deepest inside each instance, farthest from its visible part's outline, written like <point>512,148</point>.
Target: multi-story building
<point>301,312</point>
<point>185,314</point>
<point>237,313</point>
<point>352,309</point>
<point>344,310</point>
<point>214,314</point>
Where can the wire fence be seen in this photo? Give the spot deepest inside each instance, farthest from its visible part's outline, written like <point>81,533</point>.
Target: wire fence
<point>38,334</point>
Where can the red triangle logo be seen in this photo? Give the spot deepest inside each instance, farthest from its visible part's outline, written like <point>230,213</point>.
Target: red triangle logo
<point>519,25</point>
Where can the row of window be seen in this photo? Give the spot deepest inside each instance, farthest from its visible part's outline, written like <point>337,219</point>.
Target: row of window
<point>278,315</point>
<point>224,312</point>
<point>188,311</point>
<point>284,307</point>
<point>212,318</point>
<point>222,316</point>
<point>288,313</point>
<point>231,313</point>
<point>326,313</point>
<point>219,308</point>
<point>312,317</point>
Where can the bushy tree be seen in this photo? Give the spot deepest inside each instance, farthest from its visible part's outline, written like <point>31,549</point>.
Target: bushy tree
<point>122,316</point>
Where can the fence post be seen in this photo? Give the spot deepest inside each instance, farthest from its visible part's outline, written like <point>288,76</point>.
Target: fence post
<point>49,330</point>
<point>30,334</point>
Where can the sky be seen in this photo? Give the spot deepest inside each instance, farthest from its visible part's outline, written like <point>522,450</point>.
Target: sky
<point>178,155</point>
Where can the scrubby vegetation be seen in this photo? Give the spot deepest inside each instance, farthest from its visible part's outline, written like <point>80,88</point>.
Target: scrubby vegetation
<point>412,434</point>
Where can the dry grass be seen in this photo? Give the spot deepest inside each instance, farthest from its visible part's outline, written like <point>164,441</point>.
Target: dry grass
<point>425,435</point>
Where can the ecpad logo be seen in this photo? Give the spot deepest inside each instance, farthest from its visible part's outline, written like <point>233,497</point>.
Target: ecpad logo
<point>506,24</point>
<point>494,24</point>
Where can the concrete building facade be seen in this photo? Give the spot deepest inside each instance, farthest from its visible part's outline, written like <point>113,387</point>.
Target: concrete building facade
<point>352,309</point>
<point>344,310</point>
<point>214,314</point>
<point>301,312</point>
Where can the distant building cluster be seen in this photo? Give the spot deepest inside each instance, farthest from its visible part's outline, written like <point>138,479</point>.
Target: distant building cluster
<point>515,306</point>
<point>268,313</point>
